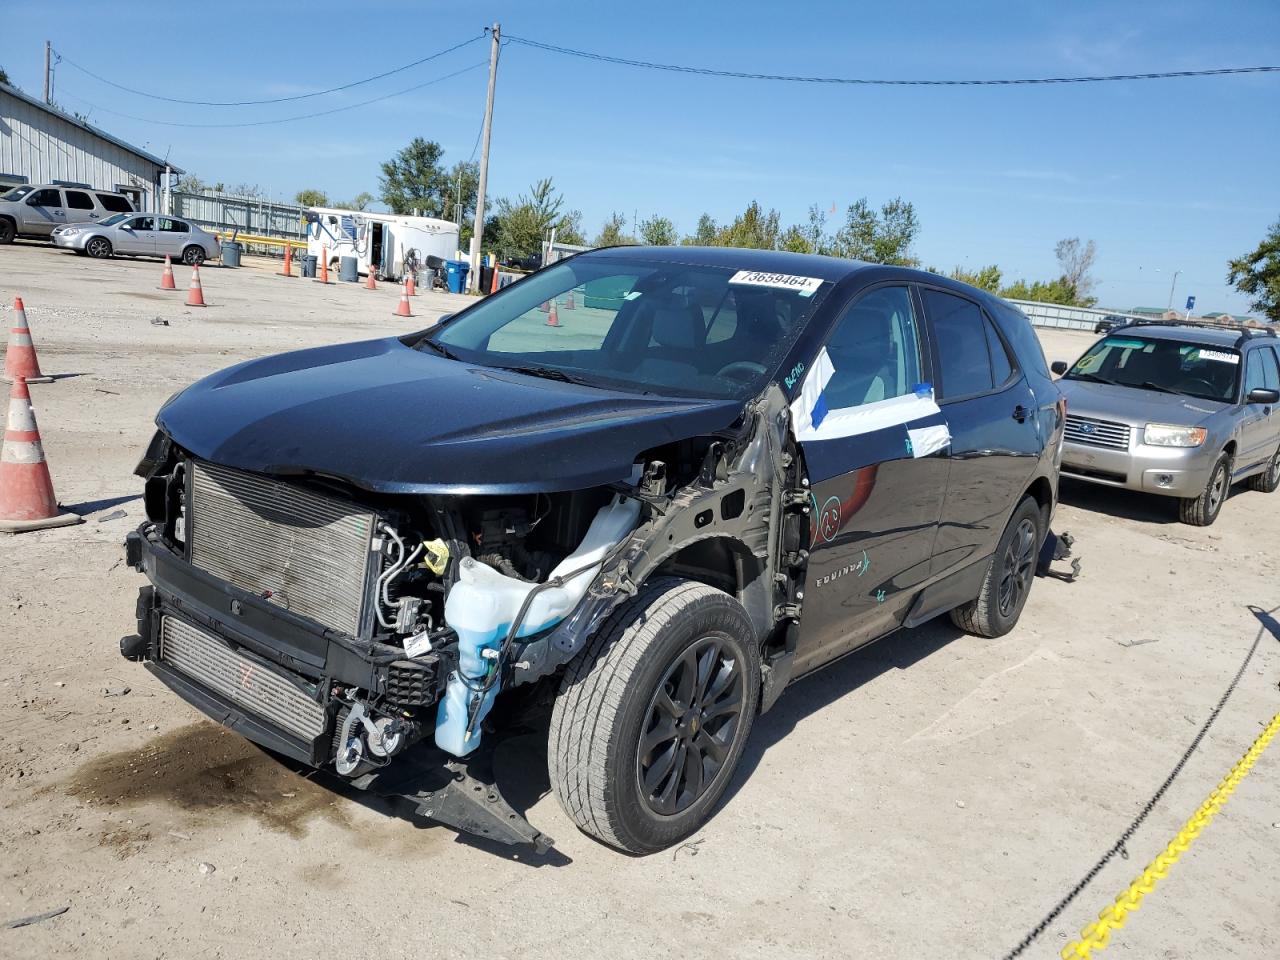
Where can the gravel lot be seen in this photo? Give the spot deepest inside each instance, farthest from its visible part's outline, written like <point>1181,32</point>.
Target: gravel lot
<point>933,795</point>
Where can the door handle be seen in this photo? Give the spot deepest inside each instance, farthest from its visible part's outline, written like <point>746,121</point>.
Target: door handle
<point>1020,413</point>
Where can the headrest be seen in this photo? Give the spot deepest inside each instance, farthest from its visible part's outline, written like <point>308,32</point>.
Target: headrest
<point>678,324</point>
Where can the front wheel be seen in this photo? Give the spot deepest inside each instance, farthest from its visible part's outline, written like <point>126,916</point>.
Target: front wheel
<point>1203,510</point>
<point>652,717</point>
<point>995,611</point>
<point>98,247</point>
<point>8,230</point>
<point>193,256</point>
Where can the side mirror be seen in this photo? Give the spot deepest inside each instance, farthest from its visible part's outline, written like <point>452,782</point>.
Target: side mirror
<point>1059,367</point>
<point>1263,395</point>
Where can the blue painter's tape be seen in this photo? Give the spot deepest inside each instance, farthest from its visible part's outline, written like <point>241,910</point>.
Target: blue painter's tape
<point>819,410</point>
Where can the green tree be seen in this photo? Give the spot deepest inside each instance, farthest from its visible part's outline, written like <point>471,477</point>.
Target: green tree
<point>311,197</point>
<point>614,232</point>
<point>4,78</point>
<point>464,187</point>
<point>524,223</point>
<point>190,183</point>
<point>1257,274</point>
<point>883,236</point>
<point>569,229</point>
<point>1053,291</point>
<point>658,232</point>
<point>1076,260</point>
<point>795,240</point>
<point>704,235</point>
<point>988,278</point>
<point>753,228</point>
<point>360,201</point>
<point>414,180</point>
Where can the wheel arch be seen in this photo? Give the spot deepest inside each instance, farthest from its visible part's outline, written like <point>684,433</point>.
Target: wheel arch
<point>1041,490</point>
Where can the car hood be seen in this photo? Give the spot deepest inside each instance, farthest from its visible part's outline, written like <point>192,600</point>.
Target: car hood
<point>1133,405</point>
<point>385,417</point>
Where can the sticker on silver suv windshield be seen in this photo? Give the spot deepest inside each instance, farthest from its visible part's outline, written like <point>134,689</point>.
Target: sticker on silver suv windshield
<point>805,286</point>
<point>1220,356</point>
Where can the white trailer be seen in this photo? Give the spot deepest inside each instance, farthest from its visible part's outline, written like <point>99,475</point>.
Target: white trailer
<point>381,242</point>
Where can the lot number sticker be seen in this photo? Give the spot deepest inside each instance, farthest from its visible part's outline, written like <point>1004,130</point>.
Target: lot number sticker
<point>1220,356</point>
<point>806,286</point>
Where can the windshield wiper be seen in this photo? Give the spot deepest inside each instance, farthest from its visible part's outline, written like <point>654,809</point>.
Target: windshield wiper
<point>1090,376</point>
<point>549,373</point>
<point>1151,385</point>
<point>439,348</point>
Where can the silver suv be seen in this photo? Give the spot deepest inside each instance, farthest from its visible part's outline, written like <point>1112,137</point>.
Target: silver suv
<point>34,211</point>
<point>1177,409</point>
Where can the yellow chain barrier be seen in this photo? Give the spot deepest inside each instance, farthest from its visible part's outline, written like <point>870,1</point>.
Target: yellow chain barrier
<point>1097,935</point>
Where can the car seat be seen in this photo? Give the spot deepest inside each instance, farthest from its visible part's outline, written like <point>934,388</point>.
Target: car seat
<point>861,350</point>
<point>678,333</point>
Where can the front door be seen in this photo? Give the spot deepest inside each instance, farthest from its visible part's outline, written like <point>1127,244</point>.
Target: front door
<point>42,211</point>
<point>1260,423</point>
<point>137,236</point>
<point>874,448</point>
<point>991,415</point>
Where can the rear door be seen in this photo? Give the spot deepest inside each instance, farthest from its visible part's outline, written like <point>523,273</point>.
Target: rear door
<point>874,450</point>
<point>80,207</point>
<point>137,236</point>
<point>172,237</point>
<point>42,210</point>
<point>990,412</point>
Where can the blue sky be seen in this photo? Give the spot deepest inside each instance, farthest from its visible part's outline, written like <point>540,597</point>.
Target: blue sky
<point>1164,175</point>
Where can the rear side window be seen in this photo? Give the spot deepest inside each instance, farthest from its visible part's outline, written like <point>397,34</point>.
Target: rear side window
<point>45,198</point>
<point>1001,367</point>
<point>172,226</point>
<point>114,202</point>
<point>79,200</point>
<point>960,331</point>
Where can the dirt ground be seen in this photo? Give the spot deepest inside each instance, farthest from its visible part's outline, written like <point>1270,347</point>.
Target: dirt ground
<point>933,795</point>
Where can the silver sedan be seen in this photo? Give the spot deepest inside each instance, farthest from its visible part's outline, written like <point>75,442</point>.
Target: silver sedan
<point>139,235</point>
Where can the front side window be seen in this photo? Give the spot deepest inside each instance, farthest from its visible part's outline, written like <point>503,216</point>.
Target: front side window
<point>650,326</point>
<point>1199,370</point>
<point>963,356</point>
<point>142,223</point>
<point>874,350</point>
<point>45,198</point>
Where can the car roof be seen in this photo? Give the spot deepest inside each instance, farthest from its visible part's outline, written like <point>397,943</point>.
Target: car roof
<point>1225,337</point>
<point>765,261</point>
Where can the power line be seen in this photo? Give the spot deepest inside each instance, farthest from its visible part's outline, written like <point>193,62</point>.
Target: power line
<point>866,81</point>
<point>266,123</point>
<point>62,58</point>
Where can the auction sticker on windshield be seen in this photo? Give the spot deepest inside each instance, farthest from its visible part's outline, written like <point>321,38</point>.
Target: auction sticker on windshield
<point>806,286</point>
<point>1219,355</point>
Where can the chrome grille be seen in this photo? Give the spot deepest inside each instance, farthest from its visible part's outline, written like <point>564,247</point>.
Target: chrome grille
<point>246,682</point>
<point>1097,433</point>
<point>300,550</point>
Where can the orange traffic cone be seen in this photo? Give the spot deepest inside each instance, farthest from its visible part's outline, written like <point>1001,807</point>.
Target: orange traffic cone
<point>402,308</point>
<point>493,287</point>
<point>288,261</point>
<point>166,278</point>
<point>544,306</point>
<point>20,358</point>
<point>195,293</point>
<point>26,490</point>
<point>410,287</point>
<point>553,318</point>
<point>570,305</point>
<point>324,266</point>
<point>371,284</point>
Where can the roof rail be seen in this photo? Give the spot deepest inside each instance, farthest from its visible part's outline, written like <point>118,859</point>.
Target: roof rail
<point>1245,332</point>
<point>1248,333</point>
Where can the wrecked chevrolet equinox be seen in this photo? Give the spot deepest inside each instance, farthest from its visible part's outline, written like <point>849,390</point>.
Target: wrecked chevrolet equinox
<point>643,489</point>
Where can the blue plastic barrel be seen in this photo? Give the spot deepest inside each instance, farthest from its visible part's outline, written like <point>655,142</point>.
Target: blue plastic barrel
<point>456,275</point>
<point>309,264</point>
<point>348,270</point>
<point>231,251</point>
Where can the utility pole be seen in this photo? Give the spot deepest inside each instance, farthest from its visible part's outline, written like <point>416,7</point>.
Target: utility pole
<point>48,72</point>
<point>473,277</point>
<point>1171,286</point>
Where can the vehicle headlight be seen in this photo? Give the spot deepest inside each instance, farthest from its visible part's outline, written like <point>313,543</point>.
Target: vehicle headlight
<point>1172,435</point>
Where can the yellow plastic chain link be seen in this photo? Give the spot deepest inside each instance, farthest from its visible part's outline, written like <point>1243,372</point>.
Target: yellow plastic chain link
<point>1097,935</point>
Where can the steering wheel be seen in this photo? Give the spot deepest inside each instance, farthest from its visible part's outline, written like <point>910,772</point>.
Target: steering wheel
<point>1212,387</point>
<point>745,370</point>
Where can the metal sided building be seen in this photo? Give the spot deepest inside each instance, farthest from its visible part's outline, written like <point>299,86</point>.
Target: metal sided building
<point>42,144</point>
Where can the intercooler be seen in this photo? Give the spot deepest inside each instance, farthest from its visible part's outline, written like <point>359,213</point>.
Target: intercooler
<point>303,551</point>
<point>241,680</point>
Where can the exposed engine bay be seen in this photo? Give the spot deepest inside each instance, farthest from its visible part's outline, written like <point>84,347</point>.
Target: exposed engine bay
<point>341,627</point>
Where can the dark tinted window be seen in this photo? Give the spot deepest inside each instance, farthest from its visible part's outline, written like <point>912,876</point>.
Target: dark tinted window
<point>45,198</point>
<point>172,226</point>
<point>1001,367</point>
<point>960,332</point>
<point>143,223</point>
<point>874,350</point>
<point>1028,353</point>
<point>115,203</point>
<point>78,200</point>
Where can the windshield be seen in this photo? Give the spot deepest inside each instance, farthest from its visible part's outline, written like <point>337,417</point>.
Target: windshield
<point>648,326</point>
<point>112,220</point>
<point>17,193</point>
<point>1168,366</point>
